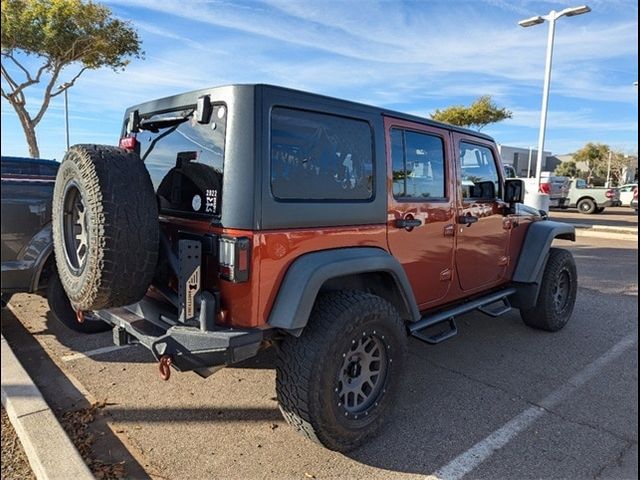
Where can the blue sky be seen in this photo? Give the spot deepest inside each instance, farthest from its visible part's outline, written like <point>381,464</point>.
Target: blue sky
<point>411,56</point>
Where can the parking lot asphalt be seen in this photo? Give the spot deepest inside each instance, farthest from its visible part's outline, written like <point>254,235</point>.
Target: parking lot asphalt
<point>463,411</point>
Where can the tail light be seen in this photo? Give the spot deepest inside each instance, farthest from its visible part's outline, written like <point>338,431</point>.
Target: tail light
<point>128,143</point>
<point>610,194</point>
<point>635,193</point>
<point>233,256</point>
<point>545,188</point>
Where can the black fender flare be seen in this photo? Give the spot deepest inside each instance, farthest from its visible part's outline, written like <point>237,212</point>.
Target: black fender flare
<point>308,273</point>
<point>534,253</point>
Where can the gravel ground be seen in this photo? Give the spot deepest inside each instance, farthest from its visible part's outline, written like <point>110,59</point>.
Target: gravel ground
<point>14,461</point>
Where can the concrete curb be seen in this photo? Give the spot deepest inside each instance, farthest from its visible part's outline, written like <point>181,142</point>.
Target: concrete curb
<point>605,231</point>
<point>51,454</point>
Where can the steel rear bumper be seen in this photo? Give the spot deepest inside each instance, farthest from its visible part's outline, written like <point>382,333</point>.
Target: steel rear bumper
<point>189,348</point>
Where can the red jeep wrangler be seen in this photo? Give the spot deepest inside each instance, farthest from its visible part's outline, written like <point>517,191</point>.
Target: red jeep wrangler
<point>241,217</point>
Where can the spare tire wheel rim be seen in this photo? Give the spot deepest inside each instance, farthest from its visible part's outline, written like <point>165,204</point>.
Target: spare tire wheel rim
<point>75,228</point>
<point>362,375</point>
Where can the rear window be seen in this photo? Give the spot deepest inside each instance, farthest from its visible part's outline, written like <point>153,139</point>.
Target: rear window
<point>186,161</point>
<point>320,157</point>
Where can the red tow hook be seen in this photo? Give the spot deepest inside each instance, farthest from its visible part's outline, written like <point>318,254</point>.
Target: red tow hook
<point>165,367</point>
<point>80,316</point>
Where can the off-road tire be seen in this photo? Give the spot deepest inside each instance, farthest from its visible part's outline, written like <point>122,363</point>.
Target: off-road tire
<point>61,308</point>
<point>551,312</point>
<point>121,227</point>
<point>309,367</point>
<point>587,206</point>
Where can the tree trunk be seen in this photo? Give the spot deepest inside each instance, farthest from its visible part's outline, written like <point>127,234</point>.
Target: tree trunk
<point>32,141</point>
<point>29,130</point>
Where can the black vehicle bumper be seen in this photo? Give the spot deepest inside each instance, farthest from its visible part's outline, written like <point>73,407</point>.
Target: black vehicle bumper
<point>189,348</point>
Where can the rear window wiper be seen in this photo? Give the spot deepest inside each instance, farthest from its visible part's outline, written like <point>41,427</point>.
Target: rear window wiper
<point>160,123</point>
<point>155,125</point>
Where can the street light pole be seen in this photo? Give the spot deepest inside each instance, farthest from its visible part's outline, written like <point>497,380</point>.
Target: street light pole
<point>552,17</point>
<point>545,94</point>
<point>65,86</point>
<point>66,117</point>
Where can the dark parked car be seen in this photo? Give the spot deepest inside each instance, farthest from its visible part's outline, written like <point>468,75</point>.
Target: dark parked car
<point>27,246</point>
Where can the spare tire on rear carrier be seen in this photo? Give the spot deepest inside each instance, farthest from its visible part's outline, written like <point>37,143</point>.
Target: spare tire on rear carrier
<point>105,227</point>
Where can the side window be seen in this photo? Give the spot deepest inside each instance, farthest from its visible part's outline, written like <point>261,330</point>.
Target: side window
<point>479,175</point>
<point>418,165</point>
<point>316,156</point>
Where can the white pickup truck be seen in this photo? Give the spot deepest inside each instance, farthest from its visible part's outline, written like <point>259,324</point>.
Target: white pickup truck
<point>591,199</point>
<point>556,187</point>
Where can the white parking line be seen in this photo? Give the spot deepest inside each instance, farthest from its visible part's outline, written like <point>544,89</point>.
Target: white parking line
<point>91,353</point>
<point>467,461</point>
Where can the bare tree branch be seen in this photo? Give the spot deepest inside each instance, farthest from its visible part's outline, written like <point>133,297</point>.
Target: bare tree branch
<point>41,70</point>
<point>47,94</point>
<point>69,84</point>
<point>71,55</point>
<point>7,77</point>
<point>18,88</point>
<point>19,65</point>
<point>4,94</point>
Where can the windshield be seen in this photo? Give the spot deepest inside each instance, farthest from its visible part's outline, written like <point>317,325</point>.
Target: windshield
<point>185,160</point>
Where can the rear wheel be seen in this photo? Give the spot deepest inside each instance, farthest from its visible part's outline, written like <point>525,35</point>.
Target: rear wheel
<point>557,295</point>
<point>587,206</point>
<point>337,380</point>
<point>105,227</point>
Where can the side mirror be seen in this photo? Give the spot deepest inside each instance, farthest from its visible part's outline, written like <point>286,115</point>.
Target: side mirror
<point>513,191</point>
<point>203,109</point>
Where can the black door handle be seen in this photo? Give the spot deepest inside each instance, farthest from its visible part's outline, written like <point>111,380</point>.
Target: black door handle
<point>408,223</point>
<point>467,219</point>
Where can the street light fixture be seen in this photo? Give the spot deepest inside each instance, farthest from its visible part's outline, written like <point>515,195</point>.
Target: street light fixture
<point>552,17</point>
<point>530,22</point>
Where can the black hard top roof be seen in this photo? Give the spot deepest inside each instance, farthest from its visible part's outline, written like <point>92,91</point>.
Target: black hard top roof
<point>323,99</point>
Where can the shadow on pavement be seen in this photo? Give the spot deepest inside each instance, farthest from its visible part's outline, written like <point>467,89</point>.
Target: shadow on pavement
<point>195,415</point>
<point>63,396</point>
